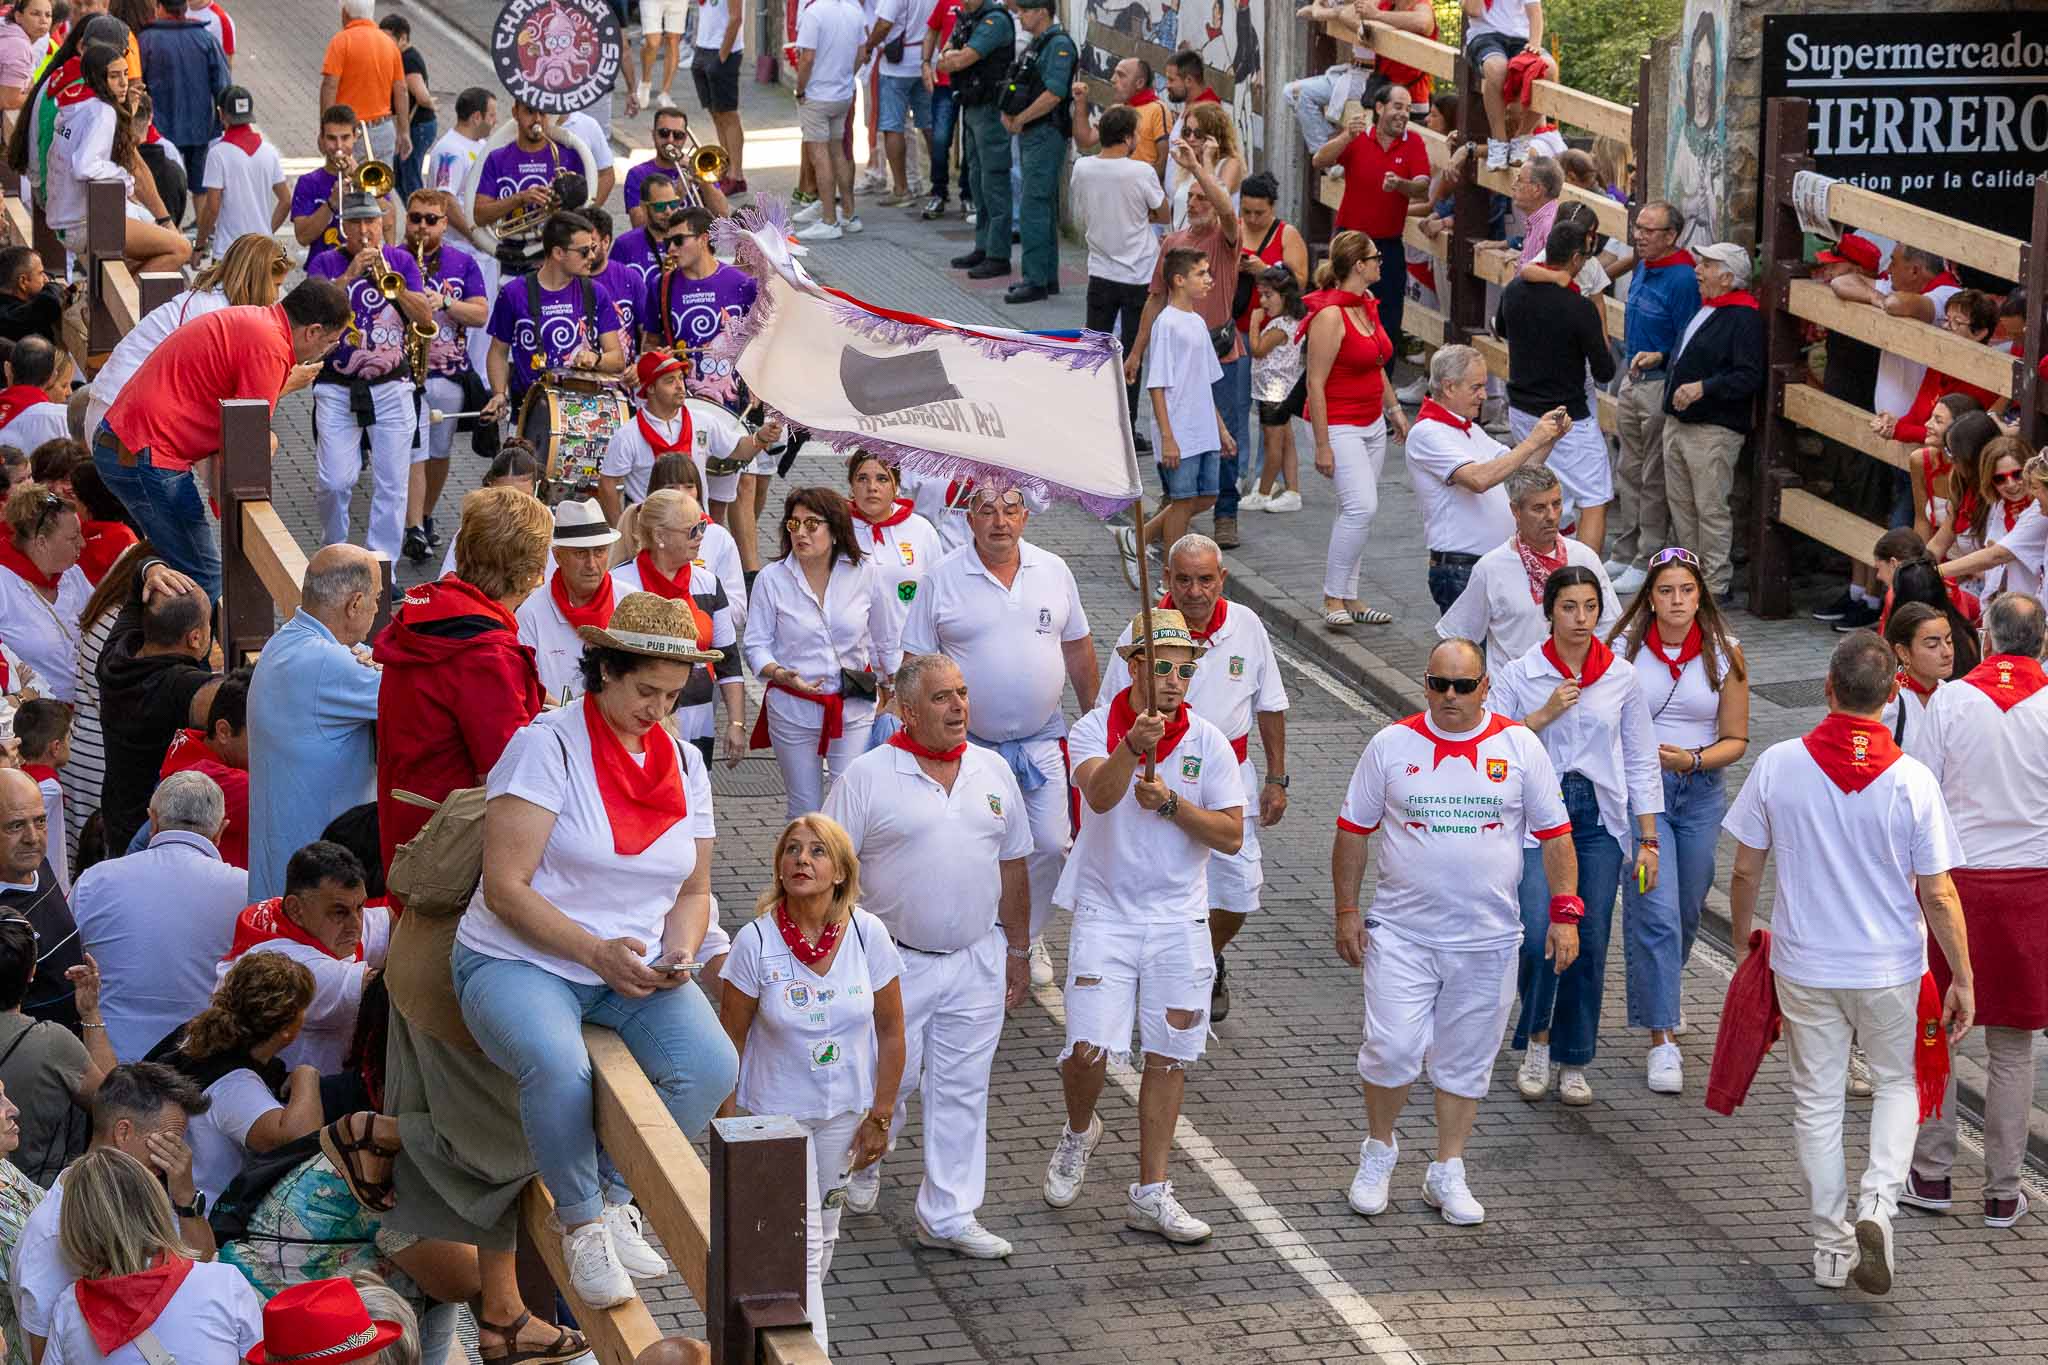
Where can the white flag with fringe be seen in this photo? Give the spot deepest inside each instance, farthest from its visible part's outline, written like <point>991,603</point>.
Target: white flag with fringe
<point>1043,412</point>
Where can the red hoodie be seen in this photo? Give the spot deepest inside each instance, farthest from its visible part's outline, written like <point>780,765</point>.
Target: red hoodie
<point>189,752</point>
<point>457,685</point>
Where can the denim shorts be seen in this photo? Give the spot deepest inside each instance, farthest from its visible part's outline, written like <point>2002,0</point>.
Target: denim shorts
<point>1493,45</point>
<point>1196,476</point>
<point>901,96</point>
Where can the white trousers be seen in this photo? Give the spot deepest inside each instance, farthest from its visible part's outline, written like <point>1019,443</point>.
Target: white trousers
<point>831,1167</point>
<point>1359,451</point>
<point>952,1021</point>
<point>793,729</point>
<point>437,438</point>
<point>341,463</point>
<point>1820,1025</point>
<point>1579,460</point>
<point>1052,830</point>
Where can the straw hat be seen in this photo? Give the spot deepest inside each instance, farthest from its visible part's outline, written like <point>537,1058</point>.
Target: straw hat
<point>1169,631</point>
<point>657,627</point>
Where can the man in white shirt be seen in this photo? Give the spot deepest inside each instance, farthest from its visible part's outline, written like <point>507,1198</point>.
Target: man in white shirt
<point>447,165</point>
<point>157,967</point>
<point>1458,791</point>
<point>1236,685</point>
<point>243,188</point>
<point>1458,469</point>
<point>715,71</point>
<point>577,593</point>
<point>667,422</point>
<point>829,34</point>
<point>1864,846</point>
<point>1118,198</point>
<point>900,89</point>
<point>940,829</point>
<point>27,416</point>
<point>602,160</point>
<point>1502,604</point>
<point>1161,793</point>
<point>1009,613</point>
<point>1984,740</point>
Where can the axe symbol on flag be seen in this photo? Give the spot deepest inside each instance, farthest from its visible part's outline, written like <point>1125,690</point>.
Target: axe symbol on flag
<point>877,384</point>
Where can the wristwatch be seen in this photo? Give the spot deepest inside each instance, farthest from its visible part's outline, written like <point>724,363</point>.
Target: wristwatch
<point>1166,812</point>
<point>1280,781</point>
<point>195,1209</point>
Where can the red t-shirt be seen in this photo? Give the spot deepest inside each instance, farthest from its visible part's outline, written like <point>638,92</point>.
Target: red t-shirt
<point>1367,207</point>
<point>945,15</point>
<point>172,405</point>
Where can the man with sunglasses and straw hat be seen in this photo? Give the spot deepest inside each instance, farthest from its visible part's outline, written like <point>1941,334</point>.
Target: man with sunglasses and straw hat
<point>1456,789</point>
<point>1160,792</point>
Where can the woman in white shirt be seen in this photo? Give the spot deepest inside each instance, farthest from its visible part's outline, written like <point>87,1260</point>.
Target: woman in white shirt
<point>594,901</point>
<point>141,1294</point>
<point>719,551</point>
<point>42,589</point>
<point>903,544</point>
<point>1584,702</point>
<point>814,1007</point>
<point>95,140</point>
<point>1923,641</point>
<point>1694,681</point>
<point>820,627</point>
<point>671,565</point>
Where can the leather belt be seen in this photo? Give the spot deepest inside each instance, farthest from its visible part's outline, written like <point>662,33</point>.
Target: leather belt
<point>1451,558</point>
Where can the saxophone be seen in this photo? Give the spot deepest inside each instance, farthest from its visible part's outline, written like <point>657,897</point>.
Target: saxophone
<point>419,337</point>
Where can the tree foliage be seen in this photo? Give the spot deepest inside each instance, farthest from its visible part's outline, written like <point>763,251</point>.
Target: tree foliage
<point>1598,42</point>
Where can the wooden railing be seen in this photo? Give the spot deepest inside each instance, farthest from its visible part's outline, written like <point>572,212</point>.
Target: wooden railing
<point>1792,301</point>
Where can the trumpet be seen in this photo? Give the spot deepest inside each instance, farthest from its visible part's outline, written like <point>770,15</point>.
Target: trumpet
<point>390,284</point>
<point>371,177</point>
<point>569,190</point>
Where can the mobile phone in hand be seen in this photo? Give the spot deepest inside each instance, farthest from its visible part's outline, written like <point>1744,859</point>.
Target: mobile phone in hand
<point>676,964</point>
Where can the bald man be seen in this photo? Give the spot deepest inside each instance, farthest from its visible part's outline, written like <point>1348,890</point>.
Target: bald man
<point>313,715</point>
<point>29,889</point>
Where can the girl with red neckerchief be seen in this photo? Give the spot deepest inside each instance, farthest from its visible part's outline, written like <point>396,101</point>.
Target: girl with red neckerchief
<point>1923,641</point>
<point>1691,675</point>
<point>42,589</point>
<point>673,564</point>
<point>2002,488</point>
<point>903,543</point>
<point>2025,546</point>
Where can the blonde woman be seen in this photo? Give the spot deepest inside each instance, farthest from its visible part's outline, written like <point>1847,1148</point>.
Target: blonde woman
<point>141,1294</point>
<point>719,552</point>
<point>1209,130</point>
<point>672,565</point>
<point>814,1008</point>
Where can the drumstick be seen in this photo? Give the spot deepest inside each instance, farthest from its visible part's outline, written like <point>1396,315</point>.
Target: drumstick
<point>436,415</point>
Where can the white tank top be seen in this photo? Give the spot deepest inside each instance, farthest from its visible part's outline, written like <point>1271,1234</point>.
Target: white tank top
<point>1686,712</point>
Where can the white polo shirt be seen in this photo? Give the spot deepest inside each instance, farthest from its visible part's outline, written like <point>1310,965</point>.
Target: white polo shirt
<point>1991,760</point>
<point>811,1052</point>
<point>1128,862</point>
<point>1453,518</point>
<point>714,434</point>
<point>1496,609</point>
<point>1455,810</point>
<point>1606,736</point>
<point>1006,640</point>
<point>928,857</point>
<point>247,178</point>
<point>36,424</point>
<point>1238,678</point>
<point>557,649</point>
<point>1846,914</point>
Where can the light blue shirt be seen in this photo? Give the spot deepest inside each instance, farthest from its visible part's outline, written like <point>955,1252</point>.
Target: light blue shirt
<point>312,745</point>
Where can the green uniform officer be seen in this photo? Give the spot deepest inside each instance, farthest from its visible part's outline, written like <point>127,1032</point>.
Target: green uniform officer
<point>1044,74</point>
<point>978,61</point>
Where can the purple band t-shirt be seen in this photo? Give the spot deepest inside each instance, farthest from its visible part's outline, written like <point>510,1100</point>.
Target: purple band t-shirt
<point>622,284</point>
<point>638,251</point>
<point>456,277</point>
<point>694,313</point>
<point>564,328</point>
<point>511,168</point>
<point>640,174</point>
<point>382,353</point>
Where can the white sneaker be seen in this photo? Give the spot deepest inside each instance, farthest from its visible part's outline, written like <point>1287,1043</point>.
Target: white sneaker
<point>871,182</point>
<point>864,1189</point>
<point>630,1244</point>
<point>1682,1028</point>
<point>809,213</point>
<point>640,94</point>
<point>1573,1087</point>
<point>1532,1080</point>
<point>1614,568</point>
<point>1627,581</point>
<point>1666,1070</point>
<point>1288,501</point>
<point>1254,502</point>
<point>1069,1164</point>
<point>1873,1269</point>
<point>1444,1189</point>
<point>1375,1173</point>
<point>973,1240</point>
<point>853,224</point>
<point>1496,155</point>
<point>1160,1212</point>
<point>1831,1268</point>
<point>819,232</point>
<point>1412,394</point>
<point>1518,150</point>
<point>1041,963</point>
<point>595,1276</point>
<point>665,100</point>
<point>971,217</point>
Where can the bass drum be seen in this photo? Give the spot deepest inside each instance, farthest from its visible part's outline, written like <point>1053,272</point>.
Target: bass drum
<point>570,422</point>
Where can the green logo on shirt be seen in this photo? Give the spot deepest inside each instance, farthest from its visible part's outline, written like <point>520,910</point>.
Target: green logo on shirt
<point>906,591</point>
<point>1191,767</point>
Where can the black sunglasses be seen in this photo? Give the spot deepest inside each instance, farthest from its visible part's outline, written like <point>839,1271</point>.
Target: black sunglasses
<point>671,134</point>
<point>1464,687</point>
<point>422,219</point>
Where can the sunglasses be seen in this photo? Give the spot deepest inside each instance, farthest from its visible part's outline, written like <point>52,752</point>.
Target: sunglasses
<point>680,238</point>
<point>671,135</point>
<point>586,252</point>
<point>1464,687</point>
<point>1166,668</point>
<point>1674,554</point>
<point>281,267</point>
<point>803,524</point>
<point>703,524</point>
<point>422,219</point>
<point>2014,476</point>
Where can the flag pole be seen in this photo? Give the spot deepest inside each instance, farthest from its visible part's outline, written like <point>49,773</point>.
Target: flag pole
<point>1145,616</point>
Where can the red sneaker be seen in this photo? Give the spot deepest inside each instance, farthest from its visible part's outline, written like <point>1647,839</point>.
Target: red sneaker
<point>2003,1213</point>
<point>1931,1195</point>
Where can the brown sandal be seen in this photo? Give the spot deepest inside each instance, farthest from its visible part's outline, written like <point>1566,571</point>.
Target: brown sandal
<point>566,1346</point>
<point>341,1149</point>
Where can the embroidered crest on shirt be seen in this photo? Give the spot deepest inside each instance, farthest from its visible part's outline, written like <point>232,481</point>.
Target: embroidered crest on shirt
<point>799,996</point>
<point>906,591</point>
<point>1496,770</point>
<point>995,805</point>
<point>825,1054</point>
<point>1191,767</point>
<point>1045,620</point>
<point>1237,665</point>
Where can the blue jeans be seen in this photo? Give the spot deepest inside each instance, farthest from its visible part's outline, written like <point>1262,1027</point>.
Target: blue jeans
<point>408,167</point>
<point>1233,395</point>
<point>167,510</point>
<point>1568,1006</point>
<point>945,117</point>
<point>1657,929</point>
<point>530,1022</point>
<point>903,98</point>
<point>1446,583</point>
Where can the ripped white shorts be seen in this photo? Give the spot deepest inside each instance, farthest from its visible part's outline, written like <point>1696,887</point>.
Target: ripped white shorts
<point>1122,973</point>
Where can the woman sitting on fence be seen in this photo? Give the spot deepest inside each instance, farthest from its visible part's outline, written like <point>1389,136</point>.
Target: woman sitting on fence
<point>95,141</point>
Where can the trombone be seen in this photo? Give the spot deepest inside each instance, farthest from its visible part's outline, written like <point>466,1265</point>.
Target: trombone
<point>708,162</point>
<point>374,178</point>
<point>569,190</point>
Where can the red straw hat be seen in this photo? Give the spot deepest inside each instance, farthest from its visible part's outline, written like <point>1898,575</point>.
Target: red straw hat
<point>652,365</point>
<point>320,1320</point>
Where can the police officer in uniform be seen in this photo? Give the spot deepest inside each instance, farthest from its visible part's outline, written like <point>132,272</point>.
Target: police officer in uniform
<point>978,61</point>
<point>1035,108</point>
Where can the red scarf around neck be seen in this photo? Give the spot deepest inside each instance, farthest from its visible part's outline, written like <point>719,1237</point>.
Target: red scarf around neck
<point>659,443</point>
<point>1216,616</point>
<point>1122,716</point>
<point>1688,648</point>
<point>120,1308</point>
<point>13,557</point>
<point>902,740</point>
<point>596,612</point>
<point>1433,411</point>
<point>1143,98</point>
<point>266,922</point>
<point>244,136</point>
<point>1734,298</point>
<point>1908,683</point>
<point>41,772</point>
<point>1598,659</point>
<point>2011,511</point>
<point>2007,679</point>
<point>16,399</point>
<point>675,589</point>
<point>642,801</point>
<point>1540,566</point>
<point>1679,257</point>
<point>898,514</point>
<point>808,953</point>
<point>1852,751</point>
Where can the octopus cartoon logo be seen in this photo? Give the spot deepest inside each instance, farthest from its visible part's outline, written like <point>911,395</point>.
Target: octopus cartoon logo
<point>557,55</point>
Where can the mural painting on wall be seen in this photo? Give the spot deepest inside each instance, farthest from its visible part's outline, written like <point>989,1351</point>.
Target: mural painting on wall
<point>1229,34</point>
<point>1696,155</point>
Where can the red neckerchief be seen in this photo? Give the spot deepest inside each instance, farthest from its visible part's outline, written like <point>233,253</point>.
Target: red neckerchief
<point>660,444</point>
<point>902,740</point>
<point>1216,616</point>
<point>2007,679</point>
<point>1317,300</point>
<point>41,772</point>
<point>1208,96</point>
<point>1598,659</point>
<point>120,1308</point>
<point>897,516</point>
<point>1679,257</point>
<point>1734,298</point>
<point>1143,98</point>
<point>642,801</point>
<point>1907,682</point>
<point>13,557</point>
<point>16,399</point>
<point>67,85</point>
<point>596,612</point>
<point>1433,411</point>
<point>1539,567</point>
<point>1946,279</point>
<point>1688,648</point>
<point>653,580</point>
<point>2011,511</point>
<point>1853,752</point>
<point>105,542</point>
<point>266,922</point>
<point>808,953</point>
<point>1930,1050</point>
<point>1122,716</point>
<point>244,136</point>
<point>1466,748</point>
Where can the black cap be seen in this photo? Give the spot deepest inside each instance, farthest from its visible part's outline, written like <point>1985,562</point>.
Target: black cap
<point>237,106</point>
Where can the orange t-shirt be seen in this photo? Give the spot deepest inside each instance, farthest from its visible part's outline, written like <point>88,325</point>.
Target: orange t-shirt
<point>365,64</point>
<point>1151,147</point>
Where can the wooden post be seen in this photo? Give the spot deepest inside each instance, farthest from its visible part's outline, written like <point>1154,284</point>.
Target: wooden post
<point>757,1276</point>
<point>1461,292</point>
<point>106,239</point>
<point>56,259</point>
<point>2027,384</point>
<point>246,613</point>
<point>1784,262</point>
<point>158,287</point>
<point>1317,221</point>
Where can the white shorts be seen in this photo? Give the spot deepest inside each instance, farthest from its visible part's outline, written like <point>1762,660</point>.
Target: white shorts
<point>1579,460</point>
<point>437,438</point>
<point>665,16</point>
<point>1235,878</point>
<point>1121,974</point>
<point>1448,1004</point>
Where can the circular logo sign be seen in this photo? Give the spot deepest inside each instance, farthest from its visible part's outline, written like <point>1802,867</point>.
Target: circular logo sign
<point>557,56</point>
